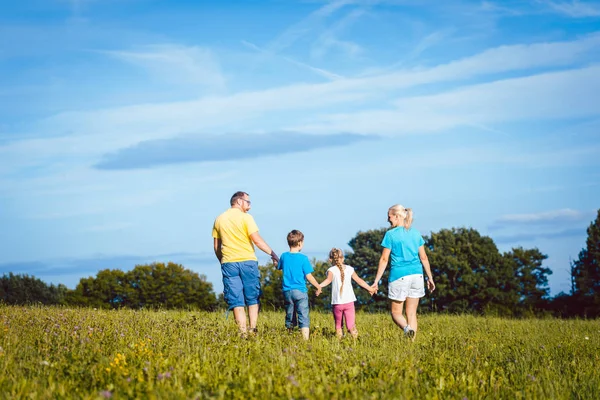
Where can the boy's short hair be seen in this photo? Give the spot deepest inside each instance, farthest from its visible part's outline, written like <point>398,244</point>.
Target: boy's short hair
<point>294,238</point>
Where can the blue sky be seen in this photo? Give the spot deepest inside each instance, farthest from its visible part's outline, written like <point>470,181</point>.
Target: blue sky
<point>126,125</point>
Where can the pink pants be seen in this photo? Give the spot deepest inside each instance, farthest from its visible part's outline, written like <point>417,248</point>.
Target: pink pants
<point>345,311</point>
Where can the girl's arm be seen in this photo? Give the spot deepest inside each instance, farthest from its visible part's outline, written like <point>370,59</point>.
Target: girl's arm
<point>383,262</point>
<point>327,280</point>
<point>427,267</point>
<point>362,283</point>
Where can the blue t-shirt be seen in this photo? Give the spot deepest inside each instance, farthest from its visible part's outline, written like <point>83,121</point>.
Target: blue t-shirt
<point>295,267</point>
<point>404,245</point>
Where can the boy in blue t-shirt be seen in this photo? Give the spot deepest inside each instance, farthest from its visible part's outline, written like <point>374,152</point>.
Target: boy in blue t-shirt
<point>296,271</point>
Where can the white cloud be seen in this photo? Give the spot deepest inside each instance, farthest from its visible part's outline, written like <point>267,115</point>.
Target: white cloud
<point>574,8</point>
<point>329,39</point>
<point>565,214</point>
<point>305,26</point>
<point>319,71</point>
<point>96,132</point>
<point>540,97</point>
<point>176,64</point>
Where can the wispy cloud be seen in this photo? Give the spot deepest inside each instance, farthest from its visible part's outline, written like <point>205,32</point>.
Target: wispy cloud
<point>548,217</point>
<point>574,8</point>
<point>176,64</point>
<point>529,237</point>
<point>319,71</point>
<point>534,97</point>
<point>329,39</point>
<point>205,148</point>
<point>305,26</point>
<point>96,132</point>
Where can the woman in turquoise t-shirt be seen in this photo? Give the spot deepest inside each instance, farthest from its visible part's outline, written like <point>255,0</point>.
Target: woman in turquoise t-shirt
<point>405,246</point>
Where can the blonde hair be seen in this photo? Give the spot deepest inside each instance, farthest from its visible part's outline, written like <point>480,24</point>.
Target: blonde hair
<point>406,214</point>
<point>336,258</point>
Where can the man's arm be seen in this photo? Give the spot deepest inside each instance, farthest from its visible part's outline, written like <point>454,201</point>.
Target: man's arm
<point>261,244</point>
<point>217,247</point>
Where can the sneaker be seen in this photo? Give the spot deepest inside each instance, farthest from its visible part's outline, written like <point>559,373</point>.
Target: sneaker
<point>410,333</point>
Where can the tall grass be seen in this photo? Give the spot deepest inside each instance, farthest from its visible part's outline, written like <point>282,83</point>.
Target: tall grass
<point>51,353</point>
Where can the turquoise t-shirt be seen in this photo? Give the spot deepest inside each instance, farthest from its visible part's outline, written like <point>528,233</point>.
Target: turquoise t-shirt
<point>404,245</point>
<point>295,267</point>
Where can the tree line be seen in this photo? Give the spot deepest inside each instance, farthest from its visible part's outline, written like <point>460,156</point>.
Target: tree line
<point>471,275</point>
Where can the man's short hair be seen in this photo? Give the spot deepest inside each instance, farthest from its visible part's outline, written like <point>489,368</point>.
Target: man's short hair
<point>294,238</point>
<point>236,196</point>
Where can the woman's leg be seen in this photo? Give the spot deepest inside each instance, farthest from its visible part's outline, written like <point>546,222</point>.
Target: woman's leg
<point>411,312</point>
<point>397,314</point>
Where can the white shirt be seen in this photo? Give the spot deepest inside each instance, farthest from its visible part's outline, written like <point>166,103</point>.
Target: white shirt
<point>347,295</point>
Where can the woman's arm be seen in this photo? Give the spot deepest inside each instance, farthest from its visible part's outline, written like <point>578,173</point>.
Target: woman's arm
<point>327,280</point>
<point>383,262</point>
<point>427,267</point>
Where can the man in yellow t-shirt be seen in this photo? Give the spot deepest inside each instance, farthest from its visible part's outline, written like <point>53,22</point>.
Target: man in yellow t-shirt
<point>234,235</point>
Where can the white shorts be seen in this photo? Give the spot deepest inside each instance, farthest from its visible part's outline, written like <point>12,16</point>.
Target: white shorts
<point>412,286</point>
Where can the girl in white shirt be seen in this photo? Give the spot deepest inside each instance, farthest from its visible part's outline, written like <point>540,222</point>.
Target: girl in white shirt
<point>342,294</point>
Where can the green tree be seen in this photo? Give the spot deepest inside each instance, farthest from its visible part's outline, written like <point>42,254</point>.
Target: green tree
<point>469,272</point>
<point>25,289</point>
<point>154,285</point>
<point>531,276</point>
<point>586,270</point>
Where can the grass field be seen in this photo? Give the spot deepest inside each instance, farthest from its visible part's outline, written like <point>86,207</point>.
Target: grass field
<point>54,353</point>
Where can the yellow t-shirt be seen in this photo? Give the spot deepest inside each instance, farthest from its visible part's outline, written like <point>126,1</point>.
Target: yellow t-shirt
<point>234,228</point>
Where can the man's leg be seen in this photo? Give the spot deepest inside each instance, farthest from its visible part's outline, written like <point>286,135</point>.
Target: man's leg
<point>233,293</point>
<point>239,314</point>
<point>253,314</point>
<point>252,292</point>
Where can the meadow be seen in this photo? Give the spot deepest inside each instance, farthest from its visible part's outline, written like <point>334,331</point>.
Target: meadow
<point>53,352</point>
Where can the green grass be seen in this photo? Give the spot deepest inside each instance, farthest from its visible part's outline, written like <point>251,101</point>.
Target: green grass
<point>51,353</point>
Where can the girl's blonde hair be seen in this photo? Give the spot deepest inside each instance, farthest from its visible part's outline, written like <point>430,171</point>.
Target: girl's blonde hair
<point>336,258</point>
<point>406,214</point>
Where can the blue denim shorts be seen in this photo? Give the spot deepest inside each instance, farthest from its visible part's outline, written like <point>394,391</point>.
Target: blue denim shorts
<point>296,309</point>
<point>241,283</point>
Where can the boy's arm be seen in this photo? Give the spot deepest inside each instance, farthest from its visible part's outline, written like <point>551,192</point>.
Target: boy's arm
<point>314,282</point>
<point>362,283</point>
<point>327,280</point>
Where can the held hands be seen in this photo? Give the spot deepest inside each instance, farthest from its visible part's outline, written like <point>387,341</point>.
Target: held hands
<point>274,258</point>
<point>318,291</point>
<point>374,288</point>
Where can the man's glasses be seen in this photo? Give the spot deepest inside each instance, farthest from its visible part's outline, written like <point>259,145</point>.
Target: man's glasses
<point>247,201</point>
